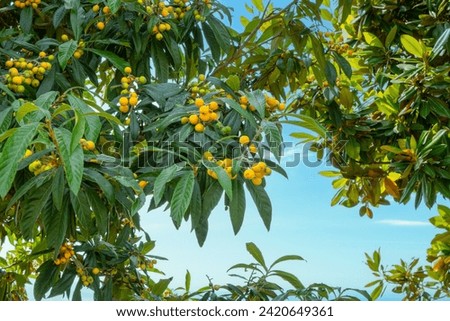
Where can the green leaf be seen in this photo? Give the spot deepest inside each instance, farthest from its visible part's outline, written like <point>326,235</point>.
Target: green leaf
<point>353,148</point>
<point>201,231</point>
<point>100,211</point>
<point>330,73</point>
<point>286,258</point>
<point>25,109</point>
<point>44,280</point>
<point>377,292</point>
<point>309,123</point>
<point>163,178</point>
<point>13,151</point>
<point>234,82</point>
<point>117,62</point>
<point>73,162</point>
<point>224,180</point>
<point>58,188</point>
<point>259,5</point>
<point>244,113</point>
<point>372,40</point>
<point>26,19</point>
<point>162,67</point>
<point>65,52</point>
<point>274,138</point>
<point>114,5</point>
<point>56,223</point>
<point>221,32</point>
<point>330,173</point>
<point>4,88</point>
<point>343,64</point>
<point>257,99</point>
<point>212,43</point>
<point>262,202</point>
<point>77,17</point>
<point>211,198</point>
<point>27,186</point>
<point>439,46</point>
<point>93,124</point>
<point>64,283</point>
<point>256,253</point>
<point>439,107</point>
<point>102,182</point>
<point>237,205</point>
<point>182,197</point>
<point>196,205</point>
<point>33,204</point>
<point>58,16</point>
<point>344,9</point>
<point>412,45</point>
<point>290,278</point>
<point>78,130</point>
<point>318,51</point>
<point>391,36</point>
<point>6,116</point>
<point>187,281</point>
<point>159,288</point>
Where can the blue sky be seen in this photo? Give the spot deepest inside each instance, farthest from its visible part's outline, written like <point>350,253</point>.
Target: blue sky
<point>333,240</point>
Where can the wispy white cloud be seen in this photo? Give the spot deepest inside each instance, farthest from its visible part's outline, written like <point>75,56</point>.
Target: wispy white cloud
<point>403,223</point>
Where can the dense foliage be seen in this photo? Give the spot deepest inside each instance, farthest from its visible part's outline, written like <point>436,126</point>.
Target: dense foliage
<point>107,102</point>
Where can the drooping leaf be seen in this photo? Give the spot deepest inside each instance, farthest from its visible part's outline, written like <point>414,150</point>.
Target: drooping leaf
<point>73,162</point>
<point>33,204</point>
<point>224,180</point>
<point>257,99</point>
<point>46,272</point>
<point>181,197</point>
<point>237,205</point>
<point>163,178</point>
<point>274,138</point>
<point>26,19</point>
<point>262,202</point>
<point>13,151</point>
<point>65,52</point>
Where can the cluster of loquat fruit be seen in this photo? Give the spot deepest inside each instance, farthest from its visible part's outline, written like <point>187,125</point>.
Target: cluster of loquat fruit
<point>145,264</point>
<point>41,165</point>
<point>160,28</point>
<point>21,4</point>
<point>207,113</point>
<point>177,10</point>
<point>85,277</point>
<point>257,172</point>
<point>200,87</point>
<point>87,145</point>
<point>24,72</point>
<point>226,164</point>
<point>245,141</point>
<point>272,104</point>
<point>129,96</point>
<point>105,12</point>
<point>65,253</point>
<point>336,43</point>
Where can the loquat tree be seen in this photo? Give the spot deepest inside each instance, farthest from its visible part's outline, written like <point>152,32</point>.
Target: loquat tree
<point>104,103</point>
